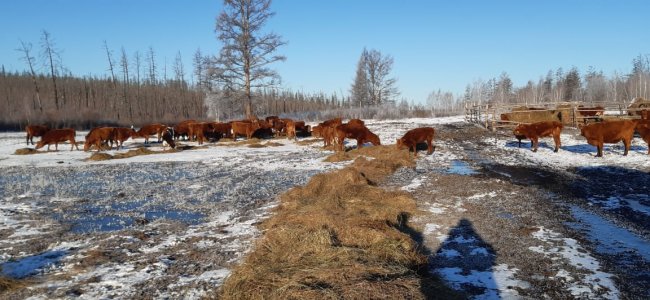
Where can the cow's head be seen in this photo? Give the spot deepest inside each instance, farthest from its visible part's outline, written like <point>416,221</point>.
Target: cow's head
<point>519,130</point>
<point>87,145</point>
<point>374,139</point>
<point>399,143</point>
<point>40,144</point>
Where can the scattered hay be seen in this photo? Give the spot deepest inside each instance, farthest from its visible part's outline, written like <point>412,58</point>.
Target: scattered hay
<point>339,237</point>
<point>240,143</point>
<point>98,156</point>
<point>8,285</point>
<point>274,144</point>
<point>307,142</point>
<point>27,151</point>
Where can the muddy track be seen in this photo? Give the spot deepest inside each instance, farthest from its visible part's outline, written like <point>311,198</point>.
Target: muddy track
<point>494,218</point>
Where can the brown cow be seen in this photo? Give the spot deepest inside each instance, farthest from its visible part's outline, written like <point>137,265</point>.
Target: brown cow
<point>150,129</point>
<point>168,138</point>
<point>590,113</point>
<point>316,131</point>
<point>418,135</point>
<point>244,128</point>
<point>35,130</point>
<point>540,129</point>
<point>643,129</point>
<point>272,119</point>
<point>356,122</point>
<point>290,127</point>
<point>328,131</point>
<point>645,114</point>
<point>182,129</point>
<point>56,136</point>
<point>121,134</point>
<point>98,136</point>
<point>609,132</point>
<point>198,131</point>
<point>359,133</point>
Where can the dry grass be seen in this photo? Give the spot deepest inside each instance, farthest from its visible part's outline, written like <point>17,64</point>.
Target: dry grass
<point>27,151</point>
<point>7,285</point>
<point>99,156</point>
<point>339,236</point>
<point>307,142</point>
<point>239,143</point>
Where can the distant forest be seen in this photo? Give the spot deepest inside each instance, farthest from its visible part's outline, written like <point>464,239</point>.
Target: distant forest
<point>135,93</point>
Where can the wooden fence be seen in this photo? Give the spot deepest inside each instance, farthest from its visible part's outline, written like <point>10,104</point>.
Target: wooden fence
<point>569,113</point>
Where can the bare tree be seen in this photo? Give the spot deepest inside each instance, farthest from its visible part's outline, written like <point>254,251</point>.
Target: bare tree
<point>50,53</point>
<point>25,49</point>
<point>243,62</point>
<point>151,59</point>
<point>124,64</point>
<point>179,69</point>
<point>109,56</point>
<point>381,88</point>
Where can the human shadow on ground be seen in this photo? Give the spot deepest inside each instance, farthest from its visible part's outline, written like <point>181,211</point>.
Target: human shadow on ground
<point>465,261</point>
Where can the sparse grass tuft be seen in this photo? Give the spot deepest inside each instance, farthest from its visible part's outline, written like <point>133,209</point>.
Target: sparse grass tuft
<point>339,236</point>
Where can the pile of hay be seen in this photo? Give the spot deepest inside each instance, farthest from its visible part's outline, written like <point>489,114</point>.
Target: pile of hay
<point>337,237</point>
<point>26,151</point>
<point>98,156</point>
<point>533,116</point>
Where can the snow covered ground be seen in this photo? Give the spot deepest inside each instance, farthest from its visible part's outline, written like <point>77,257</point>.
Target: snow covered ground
<point>172,225</point>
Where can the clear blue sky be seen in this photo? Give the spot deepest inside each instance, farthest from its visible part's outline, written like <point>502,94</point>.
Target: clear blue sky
<point>435,44</point>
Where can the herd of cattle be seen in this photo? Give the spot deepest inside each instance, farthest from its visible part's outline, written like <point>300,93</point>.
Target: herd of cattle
<point>333,132</point>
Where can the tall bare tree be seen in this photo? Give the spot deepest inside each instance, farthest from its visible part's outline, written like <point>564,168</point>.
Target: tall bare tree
<point>51,54</point>
<point>243,62</point>
<point>109,56</point>
<point>25,49</point>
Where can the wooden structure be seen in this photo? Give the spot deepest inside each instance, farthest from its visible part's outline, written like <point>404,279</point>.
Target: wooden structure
<point>494,117</point>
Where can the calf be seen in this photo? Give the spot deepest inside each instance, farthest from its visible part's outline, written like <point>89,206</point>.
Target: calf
<point>610,132</point>
<point>35,130</point>
<point>98,136</point>
<point>328,131</point>
<point>150,129</point>
<point>418,135</point>
<point>244,128</point>
<point>56,136</point>
<point>359,133</point>
<point>540,129</point>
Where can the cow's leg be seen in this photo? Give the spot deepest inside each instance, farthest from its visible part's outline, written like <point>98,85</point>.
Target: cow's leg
<point>627,144</point>
<point>429,147</point>
<point>56,146</point>
<point>27,140</point>
<point>558,144</point>
<point>415,150</point>
<point>600,150</point>
<point>534,142</point>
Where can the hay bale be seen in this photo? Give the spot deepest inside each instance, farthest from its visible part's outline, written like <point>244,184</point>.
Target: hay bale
<point>26,151</point>
<point>638,104</point>
<point>533,116</point>
<point>256,145</point>
<point>9,284</point>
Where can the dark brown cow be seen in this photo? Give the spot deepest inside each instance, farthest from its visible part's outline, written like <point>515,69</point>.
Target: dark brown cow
<point>244,128</point>
<point>150,129</point>
<point>56,136</point>
<point>35,130</point>
<point>418,135</point>
<point>121,134</point>
<point>99,136</point>
<point>182,129</point>
<point>168,138</point>
<point>221,129</point>
<point>540,129</point>
<point>359,133</point>
<point>610,132</point>
<point>316,131</point>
